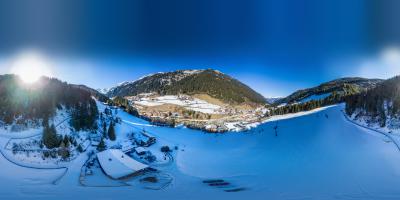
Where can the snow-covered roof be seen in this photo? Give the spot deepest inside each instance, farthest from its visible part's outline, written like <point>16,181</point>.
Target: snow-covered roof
<point>85,144</point>
<point>117,164</point>
<point>126,146</point>
<point>146,134</point>
<point>140,149</point>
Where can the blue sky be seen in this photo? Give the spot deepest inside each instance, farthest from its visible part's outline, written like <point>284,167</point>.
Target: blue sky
<point>275,47</point>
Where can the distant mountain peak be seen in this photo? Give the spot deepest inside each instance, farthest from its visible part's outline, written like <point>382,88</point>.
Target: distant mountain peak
<point>103,90</point>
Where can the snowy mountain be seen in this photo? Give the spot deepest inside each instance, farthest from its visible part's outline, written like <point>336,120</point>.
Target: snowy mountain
<point>272,100</point>
<point>342,87</point>
<point>103,90</point>
<point>191,82</point>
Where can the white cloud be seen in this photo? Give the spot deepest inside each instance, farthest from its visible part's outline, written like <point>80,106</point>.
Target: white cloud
<point>385,65</point>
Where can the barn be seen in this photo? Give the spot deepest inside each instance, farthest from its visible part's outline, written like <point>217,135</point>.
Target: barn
<point>118,165</point>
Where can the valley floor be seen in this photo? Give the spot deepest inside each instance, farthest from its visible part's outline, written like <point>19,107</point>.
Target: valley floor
<point>207,114</point>
<point>313,155</point>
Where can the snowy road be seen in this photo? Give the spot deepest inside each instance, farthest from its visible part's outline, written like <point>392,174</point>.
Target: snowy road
<point>138,124</point>
<point>388,135</point>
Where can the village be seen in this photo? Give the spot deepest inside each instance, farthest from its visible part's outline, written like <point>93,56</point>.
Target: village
<point>207,113</point>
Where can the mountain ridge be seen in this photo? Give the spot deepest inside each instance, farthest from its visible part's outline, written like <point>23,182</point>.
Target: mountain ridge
<point>342,86</point>
<point>191,82</point>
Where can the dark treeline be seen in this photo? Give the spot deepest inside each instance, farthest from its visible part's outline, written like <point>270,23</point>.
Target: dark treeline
<point>124,104</point>
<point>84,115</point>
<point>372,103</point>
<point>310,105</point>
<point>343,86</point>
<point>21,102</point>
<point>120,102</point>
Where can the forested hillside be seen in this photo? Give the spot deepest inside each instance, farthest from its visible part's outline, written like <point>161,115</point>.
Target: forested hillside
<point>342,87</point>
<point>379,105</point>
<point>22,103</point>
<point>101,97</point>
<point>211,82</point>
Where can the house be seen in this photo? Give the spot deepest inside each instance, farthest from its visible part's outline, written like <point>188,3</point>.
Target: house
<point>145,139</point>
<point>95,137</point>
<point>175,114</point>
<point>85,144</point>
<point>118,165</point>
<point>95,143</point>
<point>140,151</point>
<point>150,140</point>
<point>127,146</point>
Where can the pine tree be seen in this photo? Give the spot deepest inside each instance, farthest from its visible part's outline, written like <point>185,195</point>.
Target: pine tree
<point>50,138</point>
<point>62,144</point>
<point>66,141</point>
<point>64,153</point>
<point>101,146</point>
<point>111,132</point>
<point>104,129</point>
<point>80,149</point>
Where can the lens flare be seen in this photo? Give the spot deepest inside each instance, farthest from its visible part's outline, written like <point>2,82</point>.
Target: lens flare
<point>30,66</point>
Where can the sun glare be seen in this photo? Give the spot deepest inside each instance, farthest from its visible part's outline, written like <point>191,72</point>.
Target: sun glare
<point>30,66</point>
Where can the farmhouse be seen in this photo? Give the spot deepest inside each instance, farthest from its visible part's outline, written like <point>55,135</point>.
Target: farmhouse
<point>145,139</point>
<point>118,165</point>
<point>85,144</point>
<point>140,151</point>
<point>127,146</point>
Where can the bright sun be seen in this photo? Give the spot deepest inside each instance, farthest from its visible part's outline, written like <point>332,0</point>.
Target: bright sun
<point>30,66</point>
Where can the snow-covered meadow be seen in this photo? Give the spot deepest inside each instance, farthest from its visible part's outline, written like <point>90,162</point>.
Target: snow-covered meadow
<point>187,102</point>
<point>315,155</point>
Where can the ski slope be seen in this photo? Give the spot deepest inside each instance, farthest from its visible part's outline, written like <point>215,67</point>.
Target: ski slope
<point>319,155</point>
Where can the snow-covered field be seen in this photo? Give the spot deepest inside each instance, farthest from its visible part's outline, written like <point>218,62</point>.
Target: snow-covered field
<point>315,155</point>
<point>186,102</point>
